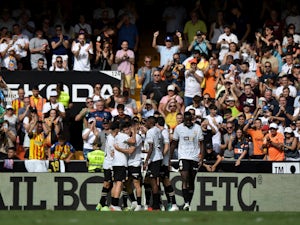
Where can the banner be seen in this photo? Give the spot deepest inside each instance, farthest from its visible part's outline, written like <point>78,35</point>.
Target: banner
<point>79,85</point>
<point>213,191</point>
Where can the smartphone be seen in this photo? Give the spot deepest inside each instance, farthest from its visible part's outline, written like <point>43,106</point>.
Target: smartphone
<point>5,125</point>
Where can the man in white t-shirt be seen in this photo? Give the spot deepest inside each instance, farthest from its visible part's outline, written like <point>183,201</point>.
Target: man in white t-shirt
<point>124,145</point>
<point>188,137</point>
<point>224,40</point>
<point>153,159</point>
<point>54,104</point>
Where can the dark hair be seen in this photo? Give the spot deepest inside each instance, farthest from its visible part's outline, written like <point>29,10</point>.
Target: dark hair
<point>160,121</point>
<point>121,106</point>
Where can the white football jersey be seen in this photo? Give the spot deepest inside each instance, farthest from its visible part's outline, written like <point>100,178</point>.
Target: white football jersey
<point>109,151</point>
<point>121,159</point>
<point>135,159</point>
<point>188,141</point>
<point>154,137</point>
<point>165,140</point>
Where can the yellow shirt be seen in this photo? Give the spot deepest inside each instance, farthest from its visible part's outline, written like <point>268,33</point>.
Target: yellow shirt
<point>171,119</point>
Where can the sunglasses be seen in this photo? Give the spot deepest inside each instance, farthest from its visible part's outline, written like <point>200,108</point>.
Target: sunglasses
<point>89,102</point>
<point>59,61</point>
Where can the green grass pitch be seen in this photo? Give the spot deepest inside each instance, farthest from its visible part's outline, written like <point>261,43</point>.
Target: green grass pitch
<point>147,218</point>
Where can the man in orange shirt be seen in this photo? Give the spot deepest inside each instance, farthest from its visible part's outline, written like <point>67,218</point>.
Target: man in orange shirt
<point>274,141</point>
<point>255,131</point>
<point>37,101</point>
<point>211,77</point>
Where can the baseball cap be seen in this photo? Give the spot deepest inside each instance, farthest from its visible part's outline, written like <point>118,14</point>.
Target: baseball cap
<point>288,130</point>
<point>274,125</point>
<point>149,101</point>
<point>171,87</point>
<point>209,146</point>
<point>265,108</point>
<point>193,60</point>
<point>198,33</point>
<point>105,121</point>
<point>9,107</point>
<point>53,93</point>
<point>263,99</point>
<point>230,98</point>
<point>92,119</point>
<point>297,66</point>
<point>265,127</point>
<point>169,38</point>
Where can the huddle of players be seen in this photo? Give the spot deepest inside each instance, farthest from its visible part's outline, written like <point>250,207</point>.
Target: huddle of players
<point>123,165</point>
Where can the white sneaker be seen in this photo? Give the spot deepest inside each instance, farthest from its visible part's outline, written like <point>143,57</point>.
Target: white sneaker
<point>173,208</point>
<point>115,208</point>
<point>162,207</point>
<point>186,207</point>
<point>146,207</point>
<point>133,205</point>
<point>138,208</point>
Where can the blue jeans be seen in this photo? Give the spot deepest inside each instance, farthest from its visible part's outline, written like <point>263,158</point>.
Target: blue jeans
<point>188,101</point>
<point>85,152</point>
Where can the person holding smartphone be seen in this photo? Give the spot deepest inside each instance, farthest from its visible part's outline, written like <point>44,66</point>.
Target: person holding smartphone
<point>7,139</point>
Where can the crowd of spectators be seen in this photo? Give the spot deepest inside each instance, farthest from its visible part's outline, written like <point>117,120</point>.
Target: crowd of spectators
<point>241,83</point>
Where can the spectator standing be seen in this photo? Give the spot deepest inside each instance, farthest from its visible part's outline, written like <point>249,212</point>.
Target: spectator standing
<point>155,89</point>
<point>100,113</point>
<point>82,49</point>
<point>37,102</point>
<point>290,145</point>
<point>85,111</point>
<point>54,104</point>
<point>38,47</point>
<point>21,46</point>
<point>216,29</point>
<point>254,129</point>
<point>90,136</point>
<point>82,25</point>
<point>193,80</point>
<point>104,58</point>
<point>174,15</point>
<point>98,12</point>
<point>216,121</point>
<point>240,146</point>
<point>18,102</point>
<point>192,26</point>
<point>200,43</point>
<point>274,141</point>
<point>167,51</point>
<point>145,74</point>
<point>240,24</point>
<point>129,32</point>
<point>290,31</point>
<point>224,40</point>
<point>7,139</point>
<point>11,118</point>
<point>60,45</point>
<point>125,59</point>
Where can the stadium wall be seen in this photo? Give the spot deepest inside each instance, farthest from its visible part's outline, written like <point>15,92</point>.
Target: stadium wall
<point>213,191</point>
